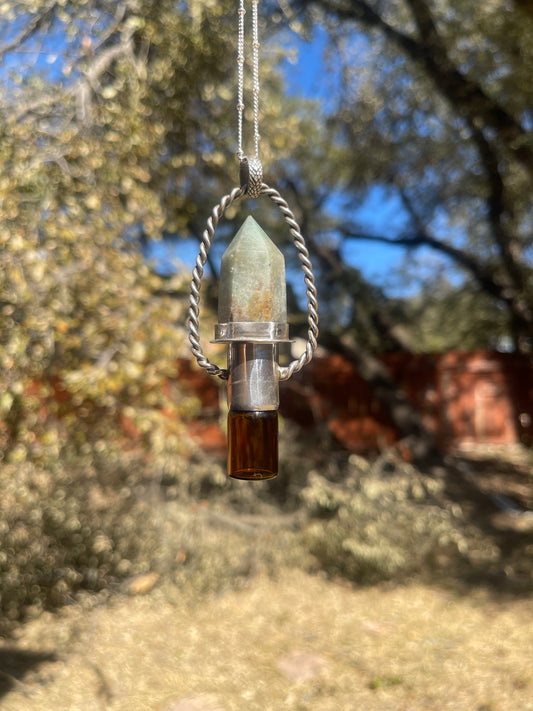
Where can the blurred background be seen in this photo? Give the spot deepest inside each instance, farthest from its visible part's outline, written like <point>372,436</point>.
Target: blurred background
<point>401,135</point>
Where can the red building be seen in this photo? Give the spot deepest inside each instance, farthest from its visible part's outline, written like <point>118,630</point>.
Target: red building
<point>463,398</point>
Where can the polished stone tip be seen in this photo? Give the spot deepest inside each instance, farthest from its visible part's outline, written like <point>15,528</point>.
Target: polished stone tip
<point>252,278</point>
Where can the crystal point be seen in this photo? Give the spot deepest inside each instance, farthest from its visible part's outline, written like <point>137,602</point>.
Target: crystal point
<point>252,278</point>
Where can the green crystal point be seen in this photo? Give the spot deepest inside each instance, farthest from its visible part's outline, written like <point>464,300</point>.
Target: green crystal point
<point>252,278</point>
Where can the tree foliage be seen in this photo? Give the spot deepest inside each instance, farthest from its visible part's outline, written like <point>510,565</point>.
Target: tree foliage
<point>115,130</point>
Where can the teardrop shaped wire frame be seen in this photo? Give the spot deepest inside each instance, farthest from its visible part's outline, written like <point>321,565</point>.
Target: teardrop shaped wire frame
<point>312,303</point>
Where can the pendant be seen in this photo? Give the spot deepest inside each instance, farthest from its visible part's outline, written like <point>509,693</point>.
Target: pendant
<point>252,315</point>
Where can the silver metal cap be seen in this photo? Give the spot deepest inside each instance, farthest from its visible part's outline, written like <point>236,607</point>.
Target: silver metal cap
<point>253,377</point>
<point>251,332</point>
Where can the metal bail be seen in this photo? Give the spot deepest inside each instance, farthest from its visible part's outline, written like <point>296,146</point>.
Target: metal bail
<point>251,176</point>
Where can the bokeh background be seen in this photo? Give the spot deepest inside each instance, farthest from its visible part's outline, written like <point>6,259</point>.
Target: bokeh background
<point>390,563</point>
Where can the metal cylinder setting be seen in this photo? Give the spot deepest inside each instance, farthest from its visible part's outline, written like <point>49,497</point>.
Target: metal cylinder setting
<point>253,383</point>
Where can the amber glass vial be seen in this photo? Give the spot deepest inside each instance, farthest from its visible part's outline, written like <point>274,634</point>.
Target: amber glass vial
<point>253,444</point>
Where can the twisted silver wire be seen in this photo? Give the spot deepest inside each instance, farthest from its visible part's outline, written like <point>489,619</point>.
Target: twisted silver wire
<point>194,299</point>
<point>312,302</point>
<point>197,274</point>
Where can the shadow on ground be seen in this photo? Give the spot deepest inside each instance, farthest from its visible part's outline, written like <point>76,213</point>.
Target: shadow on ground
<point>15,664</point>
<point>497,496</point>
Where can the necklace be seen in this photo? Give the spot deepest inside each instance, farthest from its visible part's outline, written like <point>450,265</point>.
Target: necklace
<point>255,76</point>
<point>252,309</point>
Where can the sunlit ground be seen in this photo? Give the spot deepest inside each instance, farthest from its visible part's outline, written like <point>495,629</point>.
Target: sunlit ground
<point>298,642</point>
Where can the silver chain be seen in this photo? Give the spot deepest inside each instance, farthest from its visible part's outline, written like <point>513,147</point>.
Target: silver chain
<point>255,77</point>
<point>194,299</point>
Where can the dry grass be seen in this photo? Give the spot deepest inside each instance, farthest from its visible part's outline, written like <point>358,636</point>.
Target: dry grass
<point>228,614</point>
<point>295,642</point>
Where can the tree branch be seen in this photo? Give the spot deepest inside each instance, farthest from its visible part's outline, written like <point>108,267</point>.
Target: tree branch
<point>508,247</point>
<point>509,251</point>
<point>482,276</point>
<point>423,239</point>
<point>466,96</point>
<point>90,77</point>
<point>33,26</point>
<point>338,271</point>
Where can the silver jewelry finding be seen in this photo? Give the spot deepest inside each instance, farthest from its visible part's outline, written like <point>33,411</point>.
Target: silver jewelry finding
<point>251,332</point>
<point>218,211</point>
<point>251,176</point>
